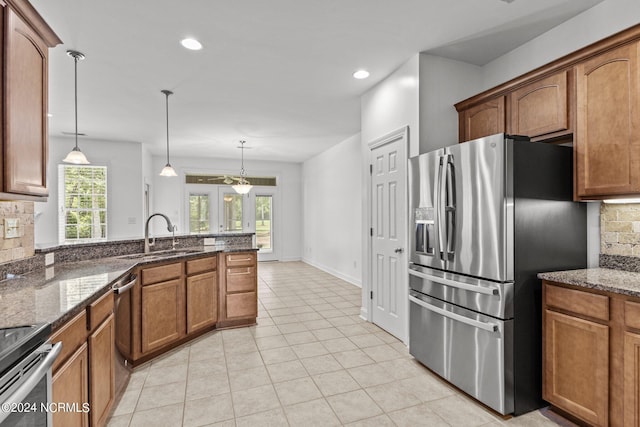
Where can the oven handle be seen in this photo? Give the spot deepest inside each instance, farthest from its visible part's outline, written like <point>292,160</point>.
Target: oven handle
<point>34,378</point>
<point>124,288</point>
<point>491,327</point>
<point>453,283</point>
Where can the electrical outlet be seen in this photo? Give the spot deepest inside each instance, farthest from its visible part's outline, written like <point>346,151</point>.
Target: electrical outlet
<point>209,241</point>
<point>49,259</point>
<point>11,230</point>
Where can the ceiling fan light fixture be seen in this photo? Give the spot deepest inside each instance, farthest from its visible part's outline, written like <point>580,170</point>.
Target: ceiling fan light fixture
<point>76,156</point>
<point>168,170</point>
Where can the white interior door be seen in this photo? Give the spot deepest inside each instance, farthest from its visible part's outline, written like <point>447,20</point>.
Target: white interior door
<point>388,265</point>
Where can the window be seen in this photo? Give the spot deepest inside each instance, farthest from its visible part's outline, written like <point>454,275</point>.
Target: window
<point>83,203</point>
<point>198,213</point>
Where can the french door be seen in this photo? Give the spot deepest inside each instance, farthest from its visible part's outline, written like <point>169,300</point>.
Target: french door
<point>219,209</point>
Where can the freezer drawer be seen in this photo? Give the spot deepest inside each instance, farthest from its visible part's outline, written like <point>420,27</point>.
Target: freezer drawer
<point>468,349</point>
<point>485,296</point>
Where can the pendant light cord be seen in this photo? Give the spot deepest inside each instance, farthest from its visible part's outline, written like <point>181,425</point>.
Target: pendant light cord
<point>167,93</point>
<point>75,74</point>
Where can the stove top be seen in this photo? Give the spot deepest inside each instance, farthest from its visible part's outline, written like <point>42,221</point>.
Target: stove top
<point>16,342</point>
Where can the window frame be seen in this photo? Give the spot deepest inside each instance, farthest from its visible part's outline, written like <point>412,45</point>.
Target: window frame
<point>64,210</point>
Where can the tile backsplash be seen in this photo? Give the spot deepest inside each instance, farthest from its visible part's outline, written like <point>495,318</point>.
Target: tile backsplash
<point>620,229</point>
<point>21,246</point>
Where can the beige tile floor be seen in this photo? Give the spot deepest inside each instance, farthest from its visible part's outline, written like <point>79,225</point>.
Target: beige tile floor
<point>310,361</point>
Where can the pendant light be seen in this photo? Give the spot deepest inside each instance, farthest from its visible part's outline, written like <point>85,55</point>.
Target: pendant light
<point>168,169</point>
<point>243,186</point>
<point>76,156</point>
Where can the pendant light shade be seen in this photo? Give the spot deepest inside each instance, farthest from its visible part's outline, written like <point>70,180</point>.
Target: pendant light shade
<point>167,170</point>
<point>243,186</point>
<point>76,156</point>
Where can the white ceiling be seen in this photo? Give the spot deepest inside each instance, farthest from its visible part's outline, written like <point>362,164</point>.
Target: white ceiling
<point>276,73</point>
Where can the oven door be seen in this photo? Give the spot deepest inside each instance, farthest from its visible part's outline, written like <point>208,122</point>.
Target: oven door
<point>25,389</point>
<point>471,350</point>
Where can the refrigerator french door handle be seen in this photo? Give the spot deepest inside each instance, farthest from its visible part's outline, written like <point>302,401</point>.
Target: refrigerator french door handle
<point>490,327</point>
<point>450,207</point>
<point>441,208</point>
<point>454,284</point>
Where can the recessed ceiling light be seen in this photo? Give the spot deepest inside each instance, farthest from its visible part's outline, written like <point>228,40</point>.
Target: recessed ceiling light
<point>361,74</point>
<point>191,44</point>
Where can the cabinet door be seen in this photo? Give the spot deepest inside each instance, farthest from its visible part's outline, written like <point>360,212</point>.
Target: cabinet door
<point>542,107</point>
<point>101,371</point>
<point>162,314</point>
<point>631,379</point>
<point>482,120</point>
<point>202,301</point>
<point>607,139</point>
<point>576,366</point>
<point>70,385</point>
<point>25,104</point>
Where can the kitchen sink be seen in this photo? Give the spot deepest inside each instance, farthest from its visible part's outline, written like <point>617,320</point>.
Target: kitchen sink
<point>160,254</point>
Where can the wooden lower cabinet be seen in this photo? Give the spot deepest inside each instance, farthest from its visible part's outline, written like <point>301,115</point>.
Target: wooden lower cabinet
<point>101,371</point>
<point>576,366</point>
<point>631,402</point>
<point>71,385</point>
<point>591,354</point>
<point>238,288</point>
<point>163,314</point>
<point>202,301</point>
<point>83,374</point>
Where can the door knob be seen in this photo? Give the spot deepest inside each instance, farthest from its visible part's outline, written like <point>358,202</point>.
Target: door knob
<point>399,250</point>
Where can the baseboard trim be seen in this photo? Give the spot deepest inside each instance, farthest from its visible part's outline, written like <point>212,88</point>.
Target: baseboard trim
<point>333,272</point>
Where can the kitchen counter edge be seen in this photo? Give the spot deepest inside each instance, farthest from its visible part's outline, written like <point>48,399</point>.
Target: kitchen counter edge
<point>601,279</point>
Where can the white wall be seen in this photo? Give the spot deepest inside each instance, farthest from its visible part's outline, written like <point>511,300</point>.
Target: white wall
<point>124,187</point>
<point>602,20</point>
<point>169,196</point>
<point>332,210</point>
<point>443,82</point>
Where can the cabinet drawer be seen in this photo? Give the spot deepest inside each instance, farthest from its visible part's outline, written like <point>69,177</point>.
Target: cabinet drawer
<point>241,259</point>
<point>579,302</point>
<point>632,314</point>
<point>161,273</point>
<point>241,279</point>
<point>100,310</point>
<point>242,305</point>
<point>72,335</point>
<point>200,265</point>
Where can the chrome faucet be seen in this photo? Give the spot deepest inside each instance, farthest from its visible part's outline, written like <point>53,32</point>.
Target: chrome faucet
<point>170,227</point>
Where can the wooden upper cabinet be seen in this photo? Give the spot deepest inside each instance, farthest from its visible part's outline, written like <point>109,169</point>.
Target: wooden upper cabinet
<point>26,42</point>
<point>543,109</point>
<point>607,138</point>
<point>487,118</point>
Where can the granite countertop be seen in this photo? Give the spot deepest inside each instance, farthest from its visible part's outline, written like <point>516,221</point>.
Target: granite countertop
<point>57,293</point>
<point>602,279</point>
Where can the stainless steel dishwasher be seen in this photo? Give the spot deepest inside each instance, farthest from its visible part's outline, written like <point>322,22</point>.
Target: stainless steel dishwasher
<point>122,294</point>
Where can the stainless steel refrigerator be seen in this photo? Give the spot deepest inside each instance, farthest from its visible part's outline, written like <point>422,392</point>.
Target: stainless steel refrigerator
<point>486,216</point>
